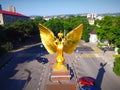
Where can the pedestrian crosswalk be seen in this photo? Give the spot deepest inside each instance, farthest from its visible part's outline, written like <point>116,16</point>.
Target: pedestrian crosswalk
<point>88,55</point>
<point>96,49</point>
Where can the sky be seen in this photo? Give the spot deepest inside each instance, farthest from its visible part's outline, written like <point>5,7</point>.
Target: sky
<point>58,7</point>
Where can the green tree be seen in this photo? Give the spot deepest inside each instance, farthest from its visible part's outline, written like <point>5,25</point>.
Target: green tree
<point>86,30</point>
<point>109,29</point>
<point>116,25</point>
<point>116,68</point>
<point>56,25</point>
<point>39,20</point>
<point>67,24</point>
<point>2,35</point>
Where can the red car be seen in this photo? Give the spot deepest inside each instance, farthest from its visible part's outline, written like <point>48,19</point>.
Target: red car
<point>87,81</point>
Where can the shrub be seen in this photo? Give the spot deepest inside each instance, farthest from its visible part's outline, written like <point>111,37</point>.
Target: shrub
<point>119,51</point>
<point>116,68</point>
<point>7,46</point>
<point>2,51</point>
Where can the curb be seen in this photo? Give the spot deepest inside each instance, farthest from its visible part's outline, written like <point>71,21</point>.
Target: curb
<point>4,60</point>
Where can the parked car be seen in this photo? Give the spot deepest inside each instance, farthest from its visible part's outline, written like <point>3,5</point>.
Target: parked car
<point>89,81</point>
<point>88,88</point>
<point>42,60</point>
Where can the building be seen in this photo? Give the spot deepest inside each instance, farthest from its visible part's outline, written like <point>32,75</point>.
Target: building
<point>11,16</point>
<point>92,17</point>
<point>93,37</point>
<point>91,21</point>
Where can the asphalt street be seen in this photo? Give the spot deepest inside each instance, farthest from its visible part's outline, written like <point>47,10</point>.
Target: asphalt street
<point>24,72</point>
<point>23,68</point>
<point>92,64</point>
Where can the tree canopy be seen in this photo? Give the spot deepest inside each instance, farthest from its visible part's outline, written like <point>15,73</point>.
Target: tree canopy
<point>109,29</point>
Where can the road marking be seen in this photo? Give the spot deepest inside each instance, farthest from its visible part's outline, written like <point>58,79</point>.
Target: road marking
<point>96,55</point>
<point>96,49</point>
<point>25,47</point>
<point>88,55</point>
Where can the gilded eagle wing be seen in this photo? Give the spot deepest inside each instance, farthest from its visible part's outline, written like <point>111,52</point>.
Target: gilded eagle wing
<point>72,39</point>
<point>48,39</point>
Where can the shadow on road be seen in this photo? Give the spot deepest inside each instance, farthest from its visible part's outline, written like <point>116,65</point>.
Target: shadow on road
<point>84,48</point>
<point>8,71</point>
<point>100,75</point>
<point>71,73</point>
<point>28,79</point>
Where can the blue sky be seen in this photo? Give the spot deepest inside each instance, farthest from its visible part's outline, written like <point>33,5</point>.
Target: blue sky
<point>56,7</point>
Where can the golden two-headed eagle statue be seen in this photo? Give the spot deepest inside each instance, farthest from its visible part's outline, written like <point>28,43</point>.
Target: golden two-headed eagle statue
<point>61,44</point>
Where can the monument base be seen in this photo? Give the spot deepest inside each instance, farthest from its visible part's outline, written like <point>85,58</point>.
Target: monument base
<point>60,75</point>
<point>61,86</point>
<point>60,80</point>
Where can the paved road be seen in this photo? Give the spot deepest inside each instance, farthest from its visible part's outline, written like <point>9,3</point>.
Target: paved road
<point>24,72</point>
<point>22,69</point>
<point>91,64</point>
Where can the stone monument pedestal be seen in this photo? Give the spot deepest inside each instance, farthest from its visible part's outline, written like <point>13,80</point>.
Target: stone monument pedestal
<point>61,80</point>
<point>60,75</point>
<point>61,86</point>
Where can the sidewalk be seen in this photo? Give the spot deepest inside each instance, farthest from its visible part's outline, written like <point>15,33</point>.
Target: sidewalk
<point>107,56</point>
<point>10,55</point>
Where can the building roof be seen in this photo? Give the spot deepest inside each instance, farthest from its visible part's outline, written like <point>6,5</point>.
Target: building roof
<point>12,13</point>
<point>93,32</point>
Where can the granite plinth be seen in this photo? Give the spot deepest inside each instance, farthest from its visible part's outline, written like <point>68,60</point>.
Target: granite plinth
<point>60,75</point>
<point>60,80</point>
<point>61,86</point>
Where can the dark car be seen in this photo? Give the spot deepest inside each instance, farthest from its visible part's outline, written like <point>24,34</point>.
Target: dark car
<point>42,60</point>
<point>87,81</point>
<point>88,88</point>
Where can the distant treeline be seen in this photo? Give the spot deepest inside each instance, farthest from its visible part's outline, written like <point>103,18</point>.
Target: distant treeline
<point>14,33</point>
<point>107,29</point>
